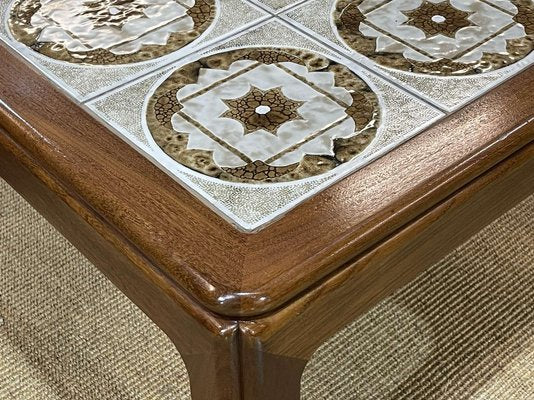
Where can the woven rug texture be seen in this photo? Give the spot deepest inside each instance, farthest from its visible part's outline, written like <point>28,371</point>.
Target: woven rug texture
<point>464,330</point>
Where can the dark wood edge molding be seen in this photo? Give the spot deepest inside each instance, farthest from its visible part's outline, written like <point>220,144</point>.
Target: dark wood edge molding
<point>71,216</point>
<point>296,331</point>
<point>185,248</point>
<point>251,357</point>
<point>207,343</point>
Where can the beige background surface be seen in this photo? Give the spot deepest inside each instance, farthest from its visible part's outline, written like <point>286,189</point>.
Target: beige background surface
<point>462,331</point>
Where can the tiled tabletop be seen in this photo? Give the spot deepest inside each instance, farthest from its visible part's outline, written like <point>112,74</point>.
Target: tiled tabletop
<point>257,105</point>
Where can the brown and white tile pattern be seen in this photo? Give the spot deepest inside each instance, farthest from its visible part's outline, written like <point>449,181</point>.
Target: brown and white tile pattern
<point>448,51</point>
<point>263,115</point>
<point>250,114</point>
<point>109,32</point>
<point>450,37</point>
<point>90,46</point>
<point>257,124</point>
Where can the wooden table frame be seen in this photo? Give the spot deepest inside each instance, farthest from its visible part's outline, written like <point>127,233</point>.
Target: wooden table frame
<point>246,311</point>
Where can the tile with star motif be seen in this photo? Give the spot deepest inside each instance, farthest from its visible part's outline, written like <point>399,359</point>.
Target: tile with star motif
<point>448,51</point>
<point>90,46</point>
<point>261,122</point>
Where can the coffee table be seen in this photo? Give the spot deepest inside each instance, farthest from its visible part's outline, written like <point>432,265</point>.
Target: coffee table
<point>256,175</point>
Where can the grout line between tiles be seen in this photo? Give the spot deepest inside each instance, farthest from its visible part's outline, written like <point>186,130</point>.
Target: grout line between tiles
<point>263,7</point>
<point>292,7</point>
<point>281,18</point>
<point>274,12</point>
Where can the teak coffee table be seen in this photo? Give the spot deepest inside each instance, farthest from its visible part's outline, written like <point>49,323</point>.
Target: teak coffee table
<point>255,175</point>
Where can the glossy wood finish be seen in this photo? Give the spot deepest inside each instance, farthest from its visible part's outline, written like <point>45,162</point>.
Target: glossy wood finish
<point>233,273</point>
<point>289,337</point>
<point>298,329</point>
<point>207,344</point>
<point>263,359</point>
<point>247,311</point>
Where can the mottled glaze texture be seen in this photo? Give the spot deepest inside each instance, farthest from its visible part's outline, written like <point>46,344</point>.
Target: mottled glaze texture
<point>450,37</point>
<point>259,115</point>
<point>109,32</point>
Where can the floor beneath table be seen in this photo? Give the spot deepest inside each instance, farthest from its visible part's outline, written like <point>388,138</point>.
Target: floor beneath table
<point>463,330</point>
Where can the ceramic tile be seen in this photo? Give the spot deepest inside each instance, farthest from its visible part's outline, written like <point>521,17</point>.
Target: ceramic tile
<point>448,51</point>
<point>262,121</point>
<point>90,46</point>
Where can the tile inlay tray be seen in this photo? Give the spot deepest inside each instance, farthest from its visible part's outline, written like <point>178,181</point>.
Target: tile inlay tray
<point>250,109</point>
<point>109,31</point>
<point>263,115</point>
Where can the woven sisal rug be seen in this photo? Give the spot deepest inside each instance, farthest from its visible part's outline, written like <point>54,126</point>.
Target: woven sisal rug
<point>462,331</point>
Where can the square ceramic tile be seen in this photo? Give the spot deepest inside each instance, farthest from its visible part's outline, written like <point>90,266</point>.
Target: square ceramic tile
<point>448,51</point>
<point>259,123</point>
<point>88,47</point>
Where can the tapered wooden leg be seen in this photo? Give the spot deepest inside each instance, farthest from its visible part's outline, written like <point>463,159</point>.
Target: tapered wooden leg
<point>223,362</point>
<point>270,377</point>
<point>267,376</point>
<point>214,373</point>
<point>237,368</point>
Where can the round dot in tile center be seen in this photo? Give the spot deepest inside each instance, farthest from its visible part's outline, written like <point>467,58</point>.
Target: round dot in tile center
<point>262,110</point>
<point>438,18</point>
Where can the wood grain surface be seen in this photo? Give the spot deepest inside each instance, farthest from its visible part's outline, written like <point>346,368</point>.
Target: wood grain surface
<point>226,271</point>
<point>263,358</point>
<point>394,262</point>
<point>276,348</point>
<point>207,344</point>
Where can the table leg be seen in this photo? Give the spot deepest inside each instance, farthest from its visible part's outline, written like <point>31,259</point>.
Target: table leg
<point>209,346</point>
<point>214,375</point>
<point>225,372</point>
<point>271,377</point>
